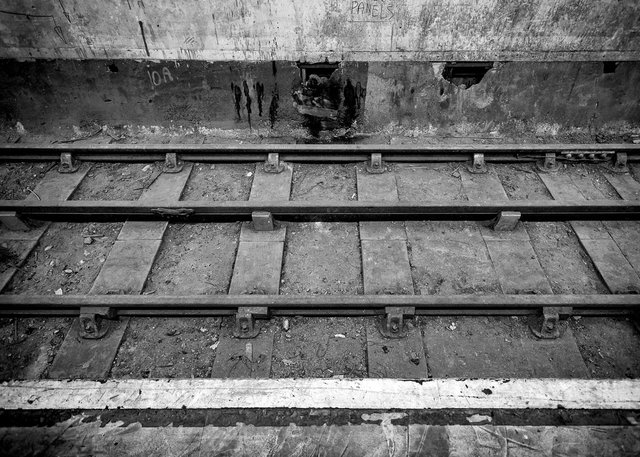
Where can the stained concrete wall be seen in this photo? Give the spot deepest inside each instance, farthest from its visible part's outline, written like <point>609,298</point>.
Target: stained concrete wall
<point>544,99</point>
<point>359,30</point>
<point>45,95</point>
<point>556,100</point>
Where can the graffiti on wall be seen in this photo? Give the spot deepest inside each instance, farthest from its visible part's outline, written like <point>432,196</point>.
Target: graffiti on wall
<point>159,77</point>
<point>371,11</point>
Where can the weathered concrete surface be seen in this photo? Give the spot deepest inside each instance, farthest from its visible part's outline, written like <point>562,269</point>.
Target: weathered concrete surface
<point>78,436</point>
<point>547,99</point>
<point>336,29</point>
<point>256,97</point>
<point>560,101</point>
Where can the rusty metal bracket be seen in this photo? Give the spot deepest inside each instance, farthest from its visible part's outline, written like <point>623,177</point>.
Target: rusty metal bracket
<point>619,164</point>
<point>506,221</point>
<point>246,321</point>
<point>273,164</point>
<point>550,328</point>
<point>549,165</point>
<point>262,221</point>
<point>67,163</point>
<point>375,164</point>
<point>172,164</point>
<point>478,165</point>
<point>94,321</point>
<point>393,321</point>
<point>171,213</point>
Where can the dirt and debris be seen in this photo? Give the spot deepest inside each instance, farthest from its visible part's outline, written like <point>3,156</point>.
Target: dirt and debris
<point>223,182</point>
<point>19,179</point>
<point>167,348</point>
<point>62,260</point>
<point>320,347</point>
<point>29,345</point>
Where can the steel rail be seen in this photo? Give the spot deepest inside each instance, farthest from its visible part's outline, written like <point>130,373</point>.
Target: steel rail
<point>304,152</point>
<point>215,305</point>
<point>337,210</point>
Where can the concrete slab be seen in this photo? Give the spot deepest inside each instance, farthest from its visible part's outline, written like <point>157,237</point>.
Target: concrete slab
<point>127,267</point>
<point>382,439</point>
<point>587,187</point>
<point>625,185</point>
<point>271,186</point>
<point>612,265</point>
<point>58,186</point>
<point>167,187</point>
<point>610,261</point>
<point>401,358</point>
<point>450,258</point>
<point>257,268</point>
<point>274,395</point>
<point>79,358</point>
<point>372,187</point>
<point>561,187</point>
<point>244,358</point>
<point>483,187</point>
<point>517,267</point>
<point>626,234</point>
<point>326,440</point>
<point>498,347</point>
<point>429,182</point>
<point>382,230</point>
<point>385,267</point>
<point>142,230</point>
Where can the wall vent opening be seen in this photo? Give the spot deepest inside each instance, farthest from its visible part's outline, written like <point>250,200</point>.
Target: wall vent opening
<point>465,74</point>
<point>321,70</point>
<point>609,66</point>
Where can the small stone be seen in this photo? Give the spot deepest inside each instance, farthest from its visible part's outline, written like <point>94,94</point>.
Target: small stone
<point>249,174</point>
<point>339,335</point>
<point>68,271</point>
<point>87,240</point>
<point>287,335</point>
<point>86,252</point>
<point>479,419</point>
<point>58,292</point>
<point>452,327</point>
<point>415,359</point>
<point>47,248</point>
<point>146,168</point>
<point>203,330</point>
<point>285,325</point>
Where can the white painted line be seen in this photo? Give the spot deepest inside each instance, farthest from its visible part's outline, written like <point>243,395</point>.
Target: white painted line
<point>323,393</point>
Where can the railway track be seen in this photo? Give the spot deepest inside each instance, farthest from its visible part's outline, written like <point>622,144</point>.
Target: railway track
<point>300,256</point>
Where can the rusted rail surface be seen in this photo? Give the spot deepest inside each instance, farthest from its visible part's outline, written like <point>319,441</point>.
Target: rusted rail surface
<point>334,152</point>
<point>535,210</point>
<point>215,305</point>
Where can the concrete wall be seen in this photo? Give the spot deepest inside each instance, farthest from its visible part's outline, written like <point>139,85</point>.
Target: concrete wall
<point>358,30</point>
<point>543,99</point>
<point>556,100</point>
